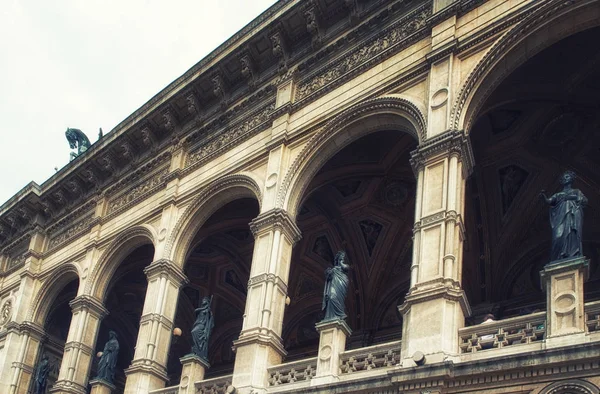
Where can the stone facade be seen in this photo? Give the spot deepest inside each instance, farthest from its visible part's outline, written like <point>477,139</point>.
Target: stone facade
<point>259,120</point>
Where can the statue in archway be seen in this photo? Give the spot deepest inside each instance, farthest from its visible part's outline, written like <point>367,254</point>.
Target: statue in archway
<point>566,219</point>
<point>108,360</point>
<point>336,287</point>
<point>41,375</point>
<point>77,140</point>
<point>202,328</point>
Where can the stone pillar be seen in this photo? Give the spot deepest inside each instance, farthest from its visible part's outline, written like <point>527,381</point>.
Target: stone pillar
<point>102,387</point>
<point>23,364</point>
<point>193,369</point>
<point>148,370</point>
<point>435,305</point>
<point>332,342</point>
<point>259,345</point>
<point>73,377</point>
<point>563,283</point>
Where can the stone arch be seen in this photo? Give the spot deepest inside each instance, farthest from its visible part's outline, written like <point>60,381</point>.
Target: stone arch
<point>111,258</point>
<point>211,198</point>
<point>541,27</point>
<point>571,386</point>
<point>51,288</point>
<point>384,113</point>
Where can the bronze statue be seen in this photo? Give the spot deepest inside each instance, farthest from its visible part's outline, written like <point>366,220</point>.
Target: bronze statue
<point>202,328</point>
<point>336,286</point>
<point>566,219</point>
<point>77,140</point>
<point>108,360</point>
<point>41,375</point>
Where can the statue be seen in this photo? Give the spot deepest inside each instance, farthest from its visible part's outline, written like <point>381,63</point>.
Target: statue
<point>336,286</point>
<point>77,140</point>
<point>566,219</point>
<point>41,375</point>
<point>108,360</point>
<point>202,327</point>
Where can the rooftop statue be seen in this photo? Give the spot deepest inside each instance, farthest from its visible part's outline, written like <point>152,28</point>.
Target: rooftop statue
<point>202,328</point>
<point>336,286</point>
<point>108,360</point>
<point>566,219</point>
<point>77,140</point>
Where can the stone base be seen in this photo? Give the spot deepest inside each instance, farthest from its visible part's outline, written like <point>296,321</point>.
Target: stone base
<point>193,371</point>
<point>562,281</point>
<point>331,343</point>
<point>101,387</point>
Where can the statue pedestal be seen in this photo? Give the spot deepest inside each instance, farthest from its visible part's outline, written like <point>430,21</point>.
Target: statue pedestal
<point>332,342</point>
<point>562,281</point>
<point>101,387</point>
<point>193,370</point>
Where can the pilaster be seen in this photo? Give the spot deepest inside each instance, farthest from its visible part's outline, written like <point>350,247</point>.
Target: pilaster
<point>436,305</point>
<point>148,370</point>
<point>73,377</point>
<point>102,387</point>
<point>259,345</point>
<point>332,342</point>
<point>22,366</point>
<point>193,370</point>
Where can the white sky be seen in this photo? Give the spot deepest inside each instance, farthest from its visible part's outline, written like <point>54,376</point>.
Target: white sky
<point>90,63</point>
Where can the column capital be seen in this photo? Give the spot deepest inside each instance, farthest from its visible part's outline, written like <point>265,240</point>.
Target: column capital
<point>89,303</point>
<point>440,291</point>
<point>269,339</point>
<point>278,219</point>
<point>147,366</point>
<point>448,144</point>
<point>33,329</point>
<point>166,267</point>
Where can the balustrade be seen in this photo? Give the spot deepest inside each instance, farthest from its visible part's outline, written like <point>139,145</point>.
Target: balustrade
<point>592,316</point>
<point>217,385</point>
<point>293,372</point>
<point>369,358</point>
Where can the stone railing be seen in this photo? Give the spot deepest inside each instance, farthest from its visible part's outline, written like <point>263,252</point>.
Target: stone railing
<point>293,372</point>
<point>503,333</point>
<point>214,386</point>
<point>369,358</point>
<point>166,390</point>
<point>592,316</point>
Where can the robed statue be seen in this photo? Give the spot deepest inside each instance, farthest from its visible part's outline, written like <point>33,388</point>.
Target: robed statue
<point>77,140</point>
<point>41,375</point>
<point>336,287</point>
<point>566,219</point>
<point>108,360</point>
<point>202,328</point>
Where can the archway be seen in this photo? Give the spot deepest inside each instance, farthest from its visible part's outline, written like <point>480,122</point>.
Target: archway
<point>541,120</point>
<point>217,263</point>
<point>361,199</point>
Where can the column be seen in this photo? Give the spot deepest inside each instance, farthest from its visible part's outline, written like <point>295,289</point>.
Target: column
<point>562,281</point>
<point>73,377</point>
<point>259,345</point>
<point>436,305</point>
<point>148,370</point>
<point>23,365</point>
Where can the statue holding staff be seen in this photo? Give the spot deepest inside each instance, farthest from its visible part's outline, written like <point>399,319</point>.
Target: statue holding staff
<point>336,286</point>
<point>566,219</point>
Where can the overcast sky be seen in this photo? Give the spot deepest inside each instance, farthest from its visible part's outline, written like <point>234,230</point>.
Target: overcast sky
<point>90,63</point>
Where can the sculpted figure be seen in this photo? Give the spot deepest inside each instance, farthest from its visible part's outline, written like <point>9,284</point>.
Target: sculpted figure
<point>202,328</point>
<point>108,361</point>
<point>77,140</point>
<point>566,219</point>
<point>41,375</point>
<point>336,286</point>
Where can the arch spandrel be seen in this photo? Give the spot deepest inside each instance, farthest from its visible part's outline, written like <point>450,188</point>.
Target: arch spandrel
<point>393,112</point>
<point>211,197</point>
<point>519,44</point>
<point>50,288</point>
<point>110,259</point>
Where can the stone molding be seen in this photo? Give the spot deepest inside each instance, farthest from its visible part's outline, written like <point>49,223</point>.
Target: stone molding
<point>157,317</point>
<point>80,346</point>
<point>89,303</point>
<point>147,366</point>
<point>34,330</point>
<point>337,323</point>
<point>67,387</point>
<point>276,219</point>
<point>270,339</point>
<point>450,143</point>
<point>166,267</point>
<point>265,278</point>
<point>416,296</point>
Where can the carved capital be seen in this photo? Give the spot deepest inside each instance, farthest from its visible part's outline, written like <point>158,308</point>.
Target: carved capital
<point>89,303</point>
<point>276,219</point>
<point>147,366</point>
<point>264,278</point>
<point>32,329</point>
<point>451,143</point>
<point>168,268</point>
<point>270,339</point>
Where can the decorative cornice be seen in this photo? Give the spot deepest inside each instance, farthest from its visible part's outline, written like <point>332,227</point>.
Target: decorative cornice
<point>90,304</point>
<point>452,142</point>
<point>276,219</point>
<point>168,268</point>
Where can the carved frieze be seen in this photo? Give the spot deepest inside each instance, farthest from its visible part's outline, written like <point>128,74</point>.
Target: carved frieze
<point>396,36</point>
<point>70,231</point>
<point>139,191</point>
